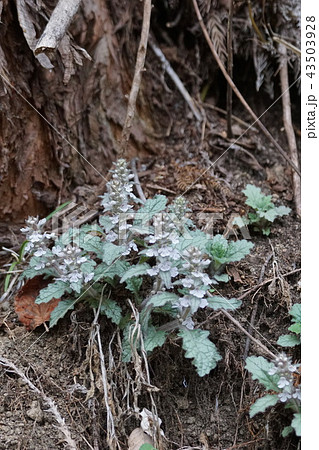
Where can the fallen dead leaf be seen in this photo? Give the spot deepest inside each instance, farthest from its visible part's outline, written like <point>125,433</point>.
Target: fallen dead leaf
<point>29,313</point>
<point>137,438</point>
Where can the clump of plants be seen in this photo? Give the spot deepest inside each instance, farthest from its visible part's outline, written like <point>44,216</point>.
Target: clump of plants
<point>265,212</point>
<point>281,377</point>
<point>165,263</point>
<point>222,252</point>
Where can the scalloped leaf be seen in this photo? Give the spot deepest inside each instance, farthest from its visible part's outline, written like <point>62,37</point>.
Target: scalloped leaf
<point>150,208</point>
<point>135,271</point>
<point>53,290</point>
<point>154,338</point>
<point>259,368</point>
<point>60,311</point>
<point>198,347</point>
<point>163,298</point>
<point>217,302</point>
<point>296,423</point>
<point>288,340</point>
<point>111,252</point>
<point>112,310</point>
<point>262,404</point>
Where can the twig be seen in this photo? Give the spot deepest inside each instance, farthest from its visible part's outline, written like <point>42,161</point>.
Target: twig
<point>175,78</point>
<point>254,312</point>
<point>139,67</point>
<point>57,26</point>
<point>291,138</point>
<point>160,188</point>
<point>238,325</point>
<point>137,181</point>
<point>52,407</point>
<point>230,68</point>
<point>237,119</point>
<point>266,282</point>
<point>236,91</point>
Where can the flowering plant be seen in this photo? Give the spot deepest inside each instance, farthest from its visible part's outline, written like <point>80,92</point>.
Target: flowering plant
<point>152,248</point>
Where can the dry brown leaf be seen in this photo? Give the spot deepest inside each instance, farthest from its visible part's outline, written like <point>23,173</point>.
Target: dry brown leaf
<point>137,438</point>
<point>233,272</point>
<point>29,313</point>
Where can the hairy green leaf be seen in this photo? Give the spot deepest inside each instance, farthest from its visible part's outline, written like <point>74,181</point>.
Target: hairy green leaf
<point>224,251</point>
<point>163,298</point>
<point>154,338</point>
<point>286,431</point>
<point>118,268</point>
<point>53,290</point>
<point>147,447</point>
<point>288,340</point>
<point>256,199</point>
<point>134,284</point>
<point>92,244</point>
<point>111,252</point>
<point>150,208</point>
<point>216,302</point>
<point>112,310</point>
<point>135,271</point>
<point>60,311</point>
<point>259,368</point>
<point>262,404</point>
<point>296,423</point>
<point>201,349</point>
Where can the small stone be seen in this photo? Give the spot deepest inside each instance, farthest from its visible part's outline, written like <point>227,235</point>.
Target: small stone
<point>35,412</point>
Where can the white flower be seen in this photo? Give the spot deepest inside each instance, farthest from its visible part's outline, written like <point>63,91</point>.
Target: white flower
<point>199,293</point>
<point>151,252</point>
<point>35,237</point>
<point>40,266</point>
<point>188,323</point>
<point>88,277</point>
<point>283,382</point>
<point>81,259</point>
<point>272,371</point>
<point>112,236</point>
<point>174,272</point>
<point>40,252</point>
<point>297,394</point>
<point>75,276</point>
<point>153,271</point>
<point>58,251</point>
<point>165,266</point>
<point>284,396</point>
<point>187,282</point>
<point>41,222</point>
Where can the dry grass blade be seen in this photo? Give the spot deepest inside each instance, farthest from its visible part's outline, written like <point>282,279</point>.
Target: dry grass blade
<point>52,406</point>
<point>236,91</point>
<point>139,67</point>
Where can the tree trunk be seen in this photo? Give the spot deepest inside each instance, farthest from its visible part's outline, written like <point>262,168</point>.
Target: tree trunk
<point>61,127</point>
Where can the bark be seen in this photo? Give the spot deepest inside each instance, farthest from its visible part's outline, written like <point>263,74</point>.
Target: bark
<point>62,153</point>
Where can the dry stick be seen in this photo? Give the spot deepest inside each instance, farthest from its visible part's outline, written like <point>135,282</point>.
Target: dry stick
<point>175,78</point>
<point>238,325</point>
<point>137,181</point>
<point>230,69</point>
<point>236,91</point>
<point>254,288</point>
<point>291,138</point>
<point>52,407</point>
<point>237,119</point>
<point>139,67</point>
<point>254,312</point>
<point>57,26</point>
